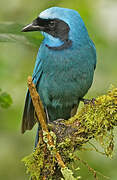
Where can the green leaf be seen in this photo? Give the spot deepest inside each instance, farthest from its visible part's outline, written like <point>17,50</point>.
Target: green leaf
<point>68,174</point>
<point>5,99</point>
<point>11,32</point>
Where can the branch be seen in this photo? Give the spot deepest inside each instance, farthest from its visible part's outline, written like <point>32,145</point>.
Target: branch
<point>93,121</point>
<point>41,116</point>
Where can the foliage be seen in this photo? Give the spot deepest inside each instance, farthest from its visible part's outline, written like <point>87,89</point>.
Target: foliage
<point>36,162</point>
<point>5,99</point>
<point>96,120</point>
<point>11,32</point>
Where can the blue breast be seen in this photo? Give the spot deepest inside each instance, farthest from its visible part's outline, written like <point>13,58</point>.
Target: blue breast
<point>67,76</point>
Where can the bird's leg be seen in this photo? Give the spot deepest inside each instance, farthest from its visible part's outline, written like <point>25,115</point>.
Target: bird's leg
<point>88,101</point>
<point>56,125</point>
<point>59,121</point>
<point>52,124</point>
<point>55,121</point>
<point>47,116</point>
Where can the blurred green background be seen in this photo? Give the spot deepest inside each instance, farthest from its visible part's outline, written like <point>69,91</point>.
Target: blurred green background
<point>17,62</point>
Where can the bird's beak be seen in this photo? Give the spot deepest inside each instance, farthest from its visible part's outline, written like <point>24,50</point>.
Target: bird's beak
<point>32,27</point>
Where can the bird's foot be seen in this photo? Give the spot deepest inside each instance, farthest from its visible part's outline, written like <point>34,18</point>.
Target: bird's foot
<point>57,124</point>
<point>59,121</point>
<point>88,101</point>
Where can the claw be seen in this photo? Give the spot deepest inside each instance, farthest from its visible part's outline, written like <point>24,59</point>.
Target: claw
<point>59,121</point>
<point>88,101</point>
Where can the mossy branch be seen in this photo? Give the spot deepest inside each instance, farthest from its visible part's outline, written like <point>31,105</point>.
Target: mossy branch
<point>94,121</point>
<point>42,118</point>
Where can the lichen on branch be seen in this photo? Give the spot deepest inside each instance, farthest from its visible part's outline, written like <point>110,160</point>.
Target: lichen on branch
<point>94,121</point>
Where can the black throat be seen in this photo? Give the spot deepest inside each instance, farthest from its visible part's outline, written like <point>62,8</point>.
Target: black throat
<point>56,28</point>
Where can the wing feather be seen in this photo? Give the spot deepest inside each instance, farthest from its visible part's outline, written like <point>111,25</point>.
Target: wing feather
<point>28,119</point>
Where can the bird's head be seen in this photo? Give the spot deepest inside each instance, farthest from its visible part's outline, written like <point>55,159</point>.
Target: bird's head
<point>60,26</point>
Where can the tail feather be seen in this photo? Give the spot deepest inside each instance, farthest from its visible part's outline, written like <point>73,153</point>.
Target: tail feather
<point>28,120</point>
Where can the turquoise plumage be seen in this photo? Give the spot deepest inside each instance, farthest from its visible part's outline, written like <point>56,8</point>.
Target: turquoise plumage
<point>64,66</point>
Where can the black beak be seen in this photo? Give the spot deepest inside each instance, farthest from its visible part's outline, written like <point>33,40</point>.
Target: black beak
<point>32,27</point>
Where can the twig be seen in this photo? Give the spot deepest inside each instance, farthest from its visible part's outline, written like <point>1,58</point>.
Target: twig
<point>94,172</point>
<point>41,116</point>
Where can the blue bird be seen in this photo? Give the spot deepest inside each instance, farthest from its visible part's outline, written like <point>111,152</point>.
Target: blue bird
<point>65,64</point>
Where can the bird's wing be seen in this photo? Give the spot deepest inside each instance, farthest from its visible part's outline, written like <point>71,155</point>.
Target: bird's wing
<point>28,120</point>
<point>94,53</point>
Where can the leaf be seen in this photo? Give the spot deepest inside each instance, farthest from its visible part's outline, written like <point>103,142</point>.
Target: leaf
<point>5,99</point>
<point>68,174</point>
<point>11,32</point>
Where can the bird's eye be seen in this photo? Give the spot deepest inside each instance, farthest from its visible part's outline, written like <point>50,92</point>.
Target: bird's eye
<point>52,24</point>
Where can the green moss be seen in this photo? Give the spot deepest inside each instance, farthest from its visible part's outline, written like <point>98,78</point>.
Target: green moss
<point>42,161</point>
<point>34,163</point>
<point>95,120</point>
